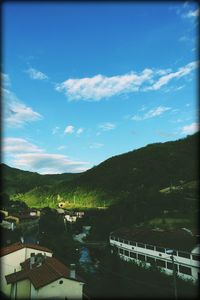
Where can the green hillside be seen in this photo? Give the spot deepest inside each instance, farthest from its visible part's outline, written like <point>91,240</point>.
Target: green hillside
<point>19,181</point>
<point>128,178</point>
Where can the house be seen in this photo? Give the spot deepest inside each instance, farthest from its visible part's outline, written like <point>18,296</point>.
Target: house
<point>70,218</point>
<point>30,272</point>
<point>12,256</point>
<point>79,214</point>
<point>151,248</point>
<point>45,277</point>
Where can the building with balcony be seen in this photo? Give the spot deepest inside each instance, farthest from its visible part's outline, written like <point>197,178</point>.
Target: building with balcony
<point>150,248</point>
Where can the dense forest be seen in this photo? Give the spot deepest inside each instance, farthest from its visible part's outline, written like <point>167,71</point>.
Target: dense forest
<point>157,184</point>
<point>119,179</point>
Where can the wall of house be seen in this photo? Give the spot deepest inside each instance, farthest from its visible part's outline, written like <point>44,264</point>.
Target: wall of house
<point>69,288</point>
<point>125,248</point>
<point>23,289</point>
<point>11,263</point>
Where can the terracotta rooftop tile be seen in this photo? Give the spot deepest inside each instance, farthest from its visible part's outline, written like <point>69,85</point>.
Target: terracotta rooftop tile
<point>50,270</point>
<point>18,246</point>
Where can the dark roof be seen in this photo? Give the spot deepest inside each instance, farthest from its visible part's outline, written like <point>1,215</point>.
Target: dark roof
<point>24,216</point>
<point>18,246</point>
<point>178,239</point>
<point>50,270</point>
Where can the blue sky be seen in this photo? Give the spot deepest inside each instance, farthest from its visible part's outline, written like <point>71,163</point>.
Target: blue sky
<point>86,81</point>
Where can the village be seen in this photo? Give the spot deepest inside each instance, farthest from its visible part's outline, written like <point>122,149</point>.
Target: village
<point>31,270</point>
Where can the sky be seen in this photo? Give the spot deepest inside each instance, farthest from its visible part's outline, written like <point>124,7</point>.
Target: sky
<point>83,82</point>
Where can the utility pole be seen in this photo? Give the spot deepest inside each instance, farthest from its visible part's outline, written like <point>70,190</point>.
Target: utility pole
<point>170,251</point>
<point>174,275</point>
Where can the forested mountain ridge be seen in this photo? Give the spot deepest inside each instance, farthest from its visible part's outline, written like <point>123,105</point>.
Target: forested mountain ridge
<point>119,178</point>
<point>20,181</point>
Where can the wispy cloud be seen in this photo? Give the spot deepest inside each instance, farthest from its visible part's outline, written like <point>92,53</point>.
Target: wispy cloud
<point>47,163</point>
<point>191,14</point>
<point>55,130</point>
<point>79,131</point>
<point>157,111</point>
<point>61,147</point>
<point>106,126</point>
<point>165,134</point>
<point>99,87</point>
<point>6,82</point>
<point>15,112</point>
<point>69,129</point>
<point>96,146</point>
<point>190,129</point>
<point>28,156</point>
<point>183,71</point>
<point>19,145</point>
<point>36,75</point>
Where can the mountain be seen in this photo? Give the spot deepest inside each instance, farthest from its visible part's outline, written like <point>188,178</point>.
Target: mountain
<point>19,181</point>
<point>127,178</point>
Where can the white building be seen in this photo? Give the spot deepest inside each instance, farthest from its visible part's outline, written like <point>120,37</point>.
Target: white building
<point>149,247</point>
<point>30,272</point>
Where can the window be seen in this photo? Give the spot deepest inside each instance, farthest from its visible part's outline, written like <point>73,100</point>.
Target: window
<point>121,241</point>
<point>141,245</point>
<point>170,266</point>
<point>160,263</point>
<point>151,260</point>
<point>160,249</point>
<point>126,252</point>
<point>121,251</point>
<point>185,270</point>
<point>196,257</point>
<point>133,243</point>
<point>61,282</point>
<point>125,242</point>
<point>133,254</point>
<point>112,237</point>
<point>183,254</point>
<point>150,247</point>
<point>141,257</point>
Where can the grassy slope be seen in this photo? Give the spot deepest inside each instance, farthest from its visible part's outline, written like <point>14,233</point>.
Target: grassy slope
<point>123,178</point>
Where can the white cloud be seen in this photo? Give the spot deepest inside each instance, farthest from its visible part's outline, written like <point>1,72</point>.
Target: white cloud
<point>15,112</point>
<point>191,13</point>
<point>46,163</point>
<point>190,129</point>
<point>55,130</point>
<point>28,156</point>
<point>36,75</point>
<point>61,147</point>
<point>19,145</point>
<point>5,80</point>
<point>69,129</point>
<point>151,113</point>
<point>98,87</point>
<point>183,39</point>
<point>79,131</point>
<point>96,145</point>
<point>183,71</point>
<point>106,126</point>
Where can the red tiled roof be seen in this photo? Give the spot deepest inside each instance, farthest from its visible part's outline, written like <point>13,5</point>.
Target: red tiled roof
<point>18,246</point>
<point>50,270</point>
